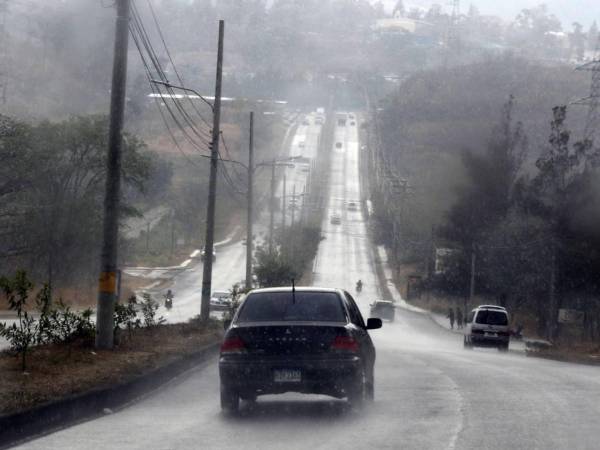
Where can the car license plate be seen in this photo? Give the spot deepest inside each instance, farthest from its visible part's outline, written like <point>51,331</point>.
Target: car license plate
<point>287,376</point>
<point>489,334</point>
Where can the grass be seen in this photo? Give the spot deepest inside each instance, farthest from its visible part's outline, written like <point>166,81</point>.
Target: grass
<point>53,373</point>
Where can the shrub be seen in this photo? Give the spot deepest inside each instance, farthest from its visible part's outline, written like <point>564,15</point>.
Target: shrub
<point>23,335</point>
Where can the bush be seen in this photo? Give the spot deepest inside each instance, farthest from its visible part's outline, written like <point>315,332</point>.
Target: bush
<point>22,336</point>
<point>149,308</point>
<point>126,315</point>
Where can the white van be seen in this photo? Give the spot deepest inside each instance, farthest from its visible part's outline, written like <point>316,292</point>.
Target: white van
<point>487,326</point>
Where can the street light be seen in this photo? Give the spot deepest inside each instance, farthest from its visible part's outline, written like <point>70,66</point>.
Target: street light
<point>185,89</point>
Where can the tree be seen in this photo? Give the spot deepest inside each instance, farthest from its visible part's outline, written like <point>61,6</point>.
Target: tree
<point>577,41</point>
<point>559,175</point>
<point>487,198</point>
<point>273,269</point>
<point>399,9</point>
<point>50,219</point>
<point>23,335</point>
<point>592,37</point>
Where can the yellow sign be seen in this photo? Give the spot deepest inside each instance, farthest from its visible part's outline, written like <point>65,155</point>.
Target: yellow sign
<point>108,282</point>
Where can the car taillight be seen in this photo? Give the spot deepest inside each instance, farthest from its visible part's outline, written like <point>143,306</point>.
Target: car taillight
<point>233,344</point>
<point>345,343</point>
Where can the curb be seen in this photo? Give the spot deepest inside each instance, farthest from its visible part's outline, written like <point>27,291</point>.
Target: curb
<point>24,426</point>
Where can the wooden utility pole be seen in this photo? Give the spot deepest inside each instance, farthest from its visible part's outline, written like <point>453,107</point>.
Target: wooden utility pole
<point>272,208</point>
<point>293,207</point>
<point>283,205</point>
<point>472,278</point>
<point>249,243</point>
<point>212,184</point>
<point>108,285</point>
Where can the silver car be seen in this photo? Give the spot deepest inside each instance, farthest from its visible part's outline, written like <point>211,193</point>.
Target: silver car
<point>487,326</point>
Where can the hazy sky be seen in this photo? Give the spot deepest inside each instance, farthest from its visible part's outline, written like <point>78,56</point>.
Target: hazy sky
<point>568,11</point>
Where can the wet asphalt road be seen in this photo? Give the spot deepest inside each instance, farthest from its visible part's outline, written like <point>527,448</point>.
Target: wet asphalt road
<point>430,393</point>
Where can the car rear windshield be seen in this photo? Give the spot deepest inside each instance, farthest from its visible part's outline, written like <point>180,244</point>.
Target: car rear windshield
<point>490,317</point>
<point>282,306</point>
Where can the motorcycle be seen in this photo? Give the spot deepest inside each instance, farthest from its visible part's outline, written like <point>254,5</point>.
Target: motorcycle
<point>168,300</point>
<point>359,286</point>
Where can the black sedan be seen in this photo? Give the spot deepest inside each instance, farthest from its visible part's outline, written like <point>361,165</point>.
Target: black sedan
<point>308,340</point>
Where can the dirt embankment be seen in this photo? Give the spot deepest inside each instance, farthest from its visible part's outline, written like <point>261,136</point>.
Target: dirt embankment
<point>55,372</point>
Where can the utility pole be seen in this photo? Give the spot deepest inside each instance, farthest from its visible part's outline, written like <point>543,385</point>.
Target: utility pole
<point>147,237</point>
<point>212,184</point>
<point>272,208</point>
<point>249,243</point>
<point>172,232</point>
<point>283,205</point>
<point>293,208</point>
<point>472,278</point>
<point>107,286</point>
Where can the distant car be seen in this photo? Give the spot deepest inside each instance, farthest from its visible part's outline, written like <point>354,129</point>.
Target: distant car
<point>338,145</point>
<point>305,122</point>
<point>306,340</point>
<point>352,123</point>
<point>301,144</point>
<point>352,206</point>
<point>319,121</point>
<point>220,300</point>
<point>384,309</point>
<point>203,255</point>
<point>335,219</point>
<point>487,326</point>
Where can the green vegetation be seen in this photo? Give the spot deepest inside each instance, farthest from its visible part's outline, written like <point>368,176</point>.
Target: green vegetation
<point>57,324</point>
<point>516,204</point>
<point>52,191</point>
<point>290,259</point>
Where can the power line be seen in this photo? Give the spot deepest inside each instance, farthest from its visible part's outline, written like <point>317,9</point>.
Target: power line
<point>160,33</point>
<point>139,27</point>
<point>135,31</point>
<point>156,62</point>
<point>164,119</point>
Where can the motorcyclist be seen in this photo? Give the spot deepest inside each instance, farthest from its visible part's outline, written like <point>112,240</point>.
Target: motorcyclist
<point>169,299</point>
<point>359,285</point>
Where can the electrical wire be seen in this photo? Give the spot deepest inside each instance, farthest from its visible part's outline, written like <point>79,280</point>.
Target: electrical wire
<point>164,119</point>
<point>136,37</point>
<point>162,38</point>
<point>139,27</point>
<point>142,42</point>
<point>235,169</point>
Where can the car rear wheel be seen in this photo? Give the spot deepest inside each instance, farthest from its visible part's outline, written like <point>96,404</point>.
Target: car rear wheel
<point>230,399</point>
<point>358,393</point>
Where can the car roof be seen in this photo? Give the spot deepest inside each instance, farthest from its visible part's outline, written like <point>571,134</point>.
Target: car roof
<point>298,289</point>
<point>384,301</point>
<point>501,308</point>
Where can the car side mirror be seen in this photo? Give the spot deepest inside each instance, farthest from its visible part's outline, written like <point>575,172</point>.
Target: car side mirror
<point>374,323</point>
<point>226,323</point>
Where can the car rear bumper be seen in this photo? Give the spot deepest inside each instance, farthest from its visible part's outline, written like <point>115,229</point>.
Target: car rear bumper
<point>318,376</point>
<point>488,341</point>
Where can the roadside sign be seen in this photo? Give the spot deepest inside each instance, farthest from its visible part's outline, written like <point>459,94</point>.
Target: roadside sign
<point>570,316</point>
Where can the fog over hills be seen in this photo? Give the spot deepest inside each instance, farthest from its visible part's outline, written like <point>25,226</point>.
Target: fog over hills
<point>568,11</point>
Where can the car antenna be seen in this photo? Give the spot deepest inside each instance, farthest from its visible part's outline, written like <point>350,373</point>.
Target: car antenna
<point>293,292</point>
